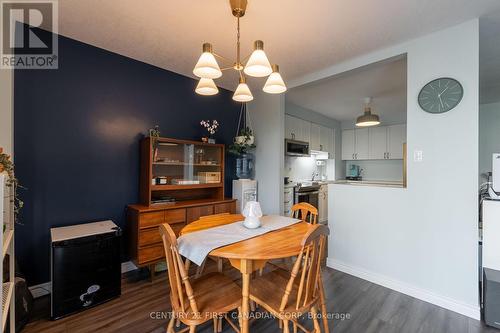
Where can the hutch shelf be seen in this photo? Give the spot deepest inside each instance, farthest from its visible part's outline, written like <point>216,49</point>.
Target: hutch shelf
<point>180,181</point>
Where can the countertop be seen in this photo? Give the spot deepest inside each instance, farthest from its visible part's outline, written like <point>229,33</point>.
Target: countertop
<point>379,183</point>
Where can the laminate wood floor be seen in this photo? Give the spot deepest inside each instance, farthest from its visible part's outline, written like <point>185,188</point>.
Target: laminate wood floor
<point>358,306</point>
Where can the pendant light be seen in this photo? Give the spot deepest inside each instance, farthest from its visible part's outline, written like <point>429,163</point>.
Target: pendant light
<point>258,65</point>
<point>206,87</point>
<point>242,92</point>
<point>367,119</point>
<point>207,67</point>
<point>274,83</point>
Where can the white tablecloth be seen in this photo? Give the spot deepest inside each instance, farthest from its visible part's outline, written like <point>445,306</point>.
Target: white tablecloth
<point>197,245</point>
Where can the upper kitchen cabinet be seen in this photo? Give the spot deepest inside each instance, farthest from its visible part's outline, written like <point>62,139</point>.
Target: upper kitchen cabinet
<point>396,137</point>
<point>292,128</point>
<point>326,140</point>
<point>348,144</point>
<point>320,137</point>
<point>314,144</point>
<point>355,144</point>
<point>297,129</point>
<point>376,143</point>
<point>362,144</point>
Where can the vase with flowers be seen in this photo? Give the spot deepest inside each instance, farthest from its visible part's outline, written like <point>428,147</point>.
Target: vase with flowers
<point>211,127</point>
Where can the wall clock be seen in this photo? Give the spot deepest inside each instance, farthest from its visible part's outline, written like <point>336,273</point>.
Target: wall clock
<point>440,95</point>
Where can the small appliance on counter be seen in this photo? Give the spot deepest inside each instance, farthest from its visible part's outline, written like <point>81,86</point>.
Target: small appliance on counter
<point>354,173</point>
<point>85,266</point>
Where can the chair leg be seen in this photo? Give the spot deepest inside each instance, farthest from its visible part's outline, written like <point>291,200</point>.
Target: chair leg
<point>199,270</point>
<point>322,300</point>
<point>216,324</point>
<point>294,327</point>
<point>240,319</point>
<point>314,312</point>
<point>286,328</point>
<point>170,327</point>
<point>220,265</point>
<point>192,329</point>
<point>280,323</point>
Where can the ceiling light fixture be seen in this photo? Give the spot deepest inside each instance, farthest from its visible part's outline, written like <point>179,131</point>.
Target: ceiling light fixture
<point>257,65</point>
<point>367,119</point>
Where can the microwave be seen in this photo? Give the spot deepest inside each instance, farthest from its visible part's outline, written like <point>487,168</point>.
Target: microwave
<point>296,148</point>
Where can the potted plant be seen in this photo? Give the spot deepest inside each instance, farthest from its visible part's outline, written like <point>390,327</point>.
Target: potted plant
<point>243,142</point>
<point>8,166</point>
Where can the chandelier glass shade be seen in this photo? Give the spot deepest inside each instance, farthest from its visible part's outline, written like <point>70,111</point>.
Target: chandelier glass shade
<point>206,87</point>
<point>242,92</point>
<point>257,65</point>
<point>274,83</point>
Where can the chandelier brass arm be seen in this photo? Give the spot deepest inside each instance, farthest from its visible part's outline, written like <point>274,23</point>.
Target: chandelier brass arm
<point>255,64</point>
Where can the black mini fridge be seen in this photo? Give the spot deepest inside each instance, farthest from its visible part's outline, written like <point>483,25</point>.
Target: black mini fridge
<point>85,266</point>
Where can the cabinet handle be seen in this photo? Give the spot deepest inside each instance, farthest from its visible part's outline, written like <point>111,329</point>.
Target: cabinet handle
<point>321,147</point>
<point>352,156</point>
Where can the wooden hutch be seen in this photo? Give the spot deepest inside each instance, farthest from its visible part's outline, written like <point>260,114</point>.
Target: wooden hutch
<point>180,181</point>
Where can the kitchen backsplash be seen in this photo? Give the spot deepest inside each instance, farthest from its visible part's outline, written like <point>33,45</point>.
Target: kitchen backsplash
<point>380,170</point>
<point>302,168</point>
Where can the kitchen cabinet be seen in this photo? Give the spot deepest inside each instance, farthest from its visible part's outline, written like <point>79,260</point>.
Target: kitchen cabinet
<point>315,136</point>
<point>325,138</point>
<point>362,144</point>
<point>305,133</point>
<point>376,143</point>
<point>292,129</point>
<point>319,137</point>
<point>288,201</point>
<point>396,136</point>
<point>323,203</point>
<point>348,144</point>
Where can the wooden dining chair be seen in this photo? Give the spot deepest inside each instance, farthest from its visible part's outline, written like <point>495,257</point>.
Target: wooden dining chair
<point>210,297</point>
<point>288,297</point>
<point>306,212</point>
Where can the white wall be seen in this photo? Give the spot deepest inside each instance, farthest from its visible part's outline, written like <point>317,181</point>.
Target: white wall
<point>489,136</point>
<point>318,118</point>
<point>421,240</point>
<point>7,110</point>
<point>268,120</point>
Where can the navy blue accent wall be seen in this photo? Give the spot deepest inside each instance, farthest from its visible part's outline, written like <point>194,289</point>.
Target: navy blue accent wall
<point>77,132</point>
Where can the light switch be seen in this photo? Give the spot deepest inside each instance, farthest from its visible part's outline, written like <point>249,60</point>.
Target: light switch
<point>418,155</point>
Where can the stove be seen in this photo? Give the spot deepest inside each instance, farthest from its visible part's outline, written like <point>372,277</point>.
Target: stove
<point>307,192</point>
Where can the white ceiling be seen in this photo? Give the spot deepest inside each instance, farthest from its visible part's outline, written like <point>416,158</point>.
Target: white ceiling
<point>341,97</point>
<point>301,36</point>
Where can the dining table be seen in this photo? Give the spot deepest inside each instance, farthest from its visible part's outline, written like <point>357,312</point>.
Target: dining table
<point>252,254</point>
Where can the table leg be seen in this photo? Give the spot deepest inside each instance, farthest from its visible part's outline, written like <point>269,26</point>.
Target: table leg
<point>323,304</point>
<point>246,270</point>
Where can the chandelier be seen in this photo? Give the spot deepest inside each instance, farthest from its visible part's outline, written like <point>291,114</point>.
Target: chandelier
<point>257,65</point>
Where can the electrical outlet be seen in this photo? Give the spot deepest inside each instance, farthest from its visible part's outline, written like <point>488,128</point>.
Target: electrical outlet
<point>418,155</point>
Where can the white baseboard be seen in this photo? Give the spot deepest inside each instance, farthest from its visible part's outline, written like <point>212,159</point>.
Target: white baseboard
<point>402,287</point>
<point>43,289</point>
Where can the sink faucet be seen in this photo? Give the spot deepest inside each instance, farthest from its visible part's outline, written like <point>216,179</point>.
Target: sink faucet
<point>313,175</point>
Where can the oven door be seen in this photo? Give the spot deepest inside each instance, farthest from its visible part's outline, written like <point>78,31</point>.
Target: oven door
<point>311,197</point>
<point>296,148</point>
